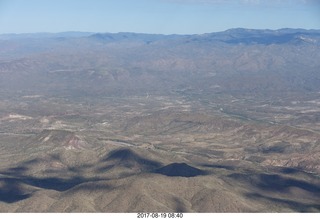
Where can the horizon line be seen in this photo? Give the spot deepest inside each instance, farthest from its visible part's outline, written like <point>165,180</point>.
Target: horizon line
<point>151,33</point>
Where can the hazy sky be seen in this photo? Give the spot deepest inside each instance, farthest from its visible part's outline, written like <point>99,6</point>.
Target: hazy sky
<point>155,16</point>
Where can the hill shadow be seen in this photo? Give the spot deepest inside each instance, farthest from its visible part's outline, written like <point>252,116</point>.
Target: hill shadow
<point>294,205</point>
<point>179,169</point>
<point>289,170</point>
<point>275,182</point>
<point>54,183</point>
<point>127,158</point>
<point>15,182</point>
<point>11,191</point>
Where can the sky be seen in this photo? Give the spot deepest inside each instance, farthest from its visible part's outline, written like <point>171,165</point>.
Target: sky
<point>156,16</point>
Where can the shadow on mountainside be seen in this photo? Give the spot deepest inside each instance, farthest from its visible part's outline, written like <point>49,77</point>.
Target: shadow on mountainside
<point>275,183</point>
<point>16,184</point>
<point>11,191</point>
<point>129,159</point>
<point>180,169</point>
<point>296,194</point>
<point>294,205</point>
<point>19,183</point>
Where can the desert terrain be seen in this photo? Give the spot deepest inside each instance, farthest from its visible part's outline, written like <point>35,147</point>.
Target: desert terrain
<point>219,122</point>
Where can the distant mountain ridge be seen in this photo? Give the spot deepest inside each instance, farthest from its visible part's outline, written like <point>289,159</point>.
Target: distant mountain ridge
<point>231,36</point>
<point>279,60</point>
<point>67,34</point>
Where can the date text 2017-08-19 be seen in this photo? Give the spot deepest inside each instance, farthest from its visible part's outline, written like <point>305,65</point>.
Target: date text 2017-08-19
<point>159,215</point>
